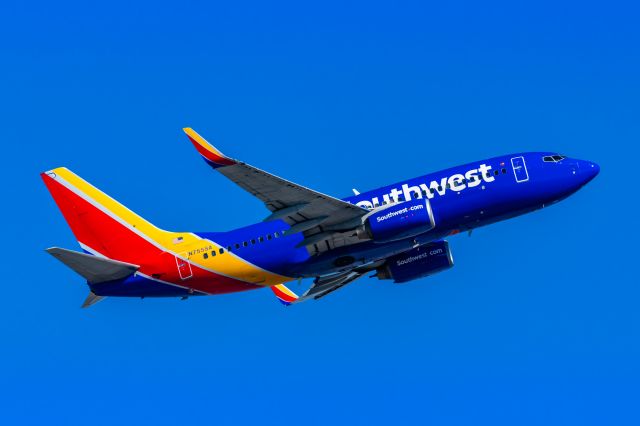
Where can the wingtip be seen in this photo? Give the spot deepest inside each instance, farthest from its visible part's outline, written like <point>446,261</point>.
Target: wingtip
<point>211,155</point>
<point>284,295</point>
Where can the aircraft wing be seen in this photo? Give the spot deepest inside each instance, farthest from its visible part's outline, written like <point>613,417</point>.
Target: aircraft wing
<point>324,285</point>
<point>319,216</point>
<point>321,287</point>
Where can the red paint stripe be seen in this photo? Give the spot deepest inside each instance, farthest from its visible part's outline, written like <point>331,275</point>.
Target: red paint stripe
<point>101,232</point>
<point>210,155</point>
<point>282,295</point>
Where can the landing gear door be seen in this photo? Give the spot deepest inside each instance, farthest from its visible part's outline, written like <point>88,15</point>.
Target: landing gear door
<point>184,267</point>
<point>520,169</point>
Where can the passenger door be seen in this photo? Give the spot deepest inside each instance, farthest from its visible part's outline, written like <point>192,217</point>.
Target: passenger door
<point>520,169</point>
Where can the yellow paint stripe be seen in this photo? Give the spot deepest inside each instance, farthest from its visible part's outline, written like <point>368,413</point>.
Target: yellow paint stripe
<point>227,264</point>
<point>286,290</point>
<point>202,141</point>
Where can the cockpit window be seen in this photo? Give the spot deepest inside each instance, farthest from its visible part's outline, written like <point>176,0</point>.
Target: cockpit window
<point>553,158</point>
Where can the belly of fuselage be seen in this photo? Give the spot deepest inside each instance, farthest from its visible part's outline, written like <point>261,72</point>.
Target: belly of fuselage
<point>142,286</point>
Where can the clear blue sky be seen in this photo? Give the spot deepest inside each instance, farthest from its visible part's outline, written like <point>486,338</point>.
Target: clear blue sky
<point>538,323</point>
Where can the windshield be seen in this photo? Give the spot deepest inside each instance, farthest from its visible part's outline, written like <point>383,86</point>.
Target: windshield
<point>553,158</point>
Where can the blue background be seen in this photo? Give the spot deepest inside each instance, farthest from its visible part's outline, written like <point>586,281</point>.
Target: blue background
<point>538,322</point>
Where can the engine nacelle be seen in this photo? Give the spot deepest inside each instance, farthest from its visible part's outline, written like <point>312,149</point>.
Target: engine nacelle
<point>417,263</point>
<point>398,221</point>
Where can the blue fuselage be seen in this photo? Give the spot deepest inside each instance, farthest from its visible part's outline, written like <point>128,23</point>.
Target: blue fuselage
<point>462,198</point>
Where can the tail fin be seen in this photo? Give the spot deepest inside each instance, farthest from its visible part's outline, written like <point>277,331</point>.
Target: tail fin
<point>101,224</point>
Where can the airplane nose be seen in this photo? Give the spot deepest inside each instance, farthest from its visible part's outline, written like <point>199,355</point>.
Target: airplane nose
<point>590,170</point>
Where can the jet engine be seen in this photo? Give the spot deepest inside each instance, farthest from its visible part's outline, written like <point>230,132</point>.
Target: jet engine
<point>398,221</point>
<point>417,263</point>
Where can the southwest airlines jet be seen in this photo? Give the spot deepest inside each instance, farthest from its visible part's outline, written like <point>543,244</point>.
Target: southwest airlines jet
<point>393,233</point>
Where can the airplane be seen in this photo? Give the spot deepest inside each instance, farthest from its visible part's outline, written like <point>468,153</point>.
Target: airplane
<point>397,232</point>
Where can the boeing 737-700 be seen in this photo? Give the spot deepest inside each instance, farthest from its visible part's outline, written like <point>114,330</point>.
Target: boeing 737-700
<point>396,232</point>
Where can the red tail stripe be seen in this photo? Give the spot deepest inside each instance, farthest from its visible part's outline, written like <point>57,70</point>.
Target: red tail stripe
<point>96,229</point>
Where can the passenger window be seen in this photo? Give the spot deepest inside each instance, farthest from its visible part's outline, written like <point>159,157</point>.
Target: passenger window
<point>275,234</point>
<point>213,253</point>
<point>253,241</point>
<point>261,239</point>
<point>244,244</point>
<point>206,256</point>
<point>269,237</point>
<point>496,172</point>
<point>221,250</point>
<point>504,171</point>
<point>237,246</point>
<point>439,187</point>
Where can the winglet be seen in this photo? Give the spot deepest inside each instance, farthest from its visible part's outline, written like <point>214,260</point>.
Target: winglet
<point>284,295</point>
<point>211,155</point>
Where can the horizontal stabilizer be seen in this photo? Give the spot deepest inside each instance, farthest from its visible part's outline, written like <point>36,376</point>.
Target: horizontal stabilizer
<point>92,299</point>
<point>94,269</point>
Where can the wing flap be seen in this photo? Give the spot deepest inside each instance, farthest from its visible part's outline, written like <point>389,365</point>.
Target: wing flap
<point>324,286</point>
<point>321,287</point>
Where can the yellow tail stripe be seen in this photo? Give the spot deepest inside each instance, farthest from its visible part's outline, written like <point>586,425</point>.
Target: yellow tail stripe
<point>178,243</point>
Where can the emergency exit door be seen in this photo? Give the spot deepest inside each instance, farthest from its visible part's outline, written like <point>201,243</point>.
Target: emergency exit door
<point>184,267</point>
